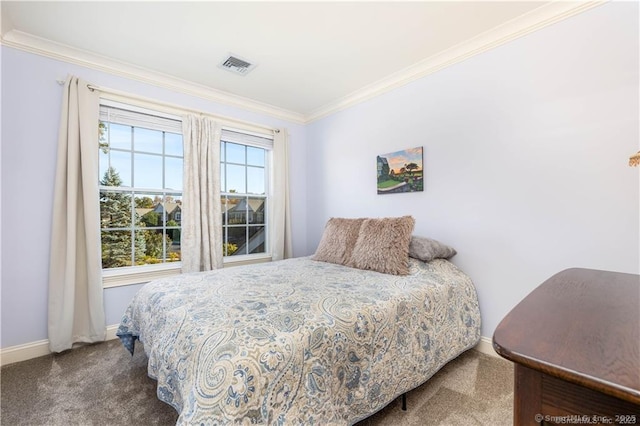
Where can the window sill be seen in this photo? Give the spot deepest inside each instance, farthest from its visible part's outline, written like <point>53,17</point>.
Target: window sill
<point>138,275</point>
<point>142,275</point>
<point>247,259</point>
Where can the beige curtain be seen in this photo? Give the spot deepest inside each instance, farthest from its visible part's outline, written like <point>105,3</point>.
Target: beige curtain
<point>76,311</point>
<point>201,242</point>
<point>281,221</point>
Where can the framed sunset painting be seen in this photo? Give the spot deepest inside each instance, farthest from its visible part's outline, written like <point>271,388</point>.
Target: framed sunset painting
<point>400,171</point>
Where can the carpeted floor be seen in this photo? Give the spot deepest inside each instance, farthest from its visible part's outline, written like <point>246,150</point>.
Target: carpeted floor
<point>103,385</point>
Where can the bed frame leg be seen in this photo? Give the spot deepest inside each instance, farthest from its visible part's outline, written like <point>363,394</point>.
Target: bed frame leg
<point>404,402</point>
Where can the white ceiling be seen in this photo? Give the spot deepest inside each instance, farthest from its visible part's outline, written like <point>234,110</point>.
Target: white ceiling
<point>311,56</point>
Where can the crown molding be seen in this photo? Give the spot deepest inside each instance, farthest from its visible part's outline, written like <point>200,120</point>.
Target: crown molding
<point>543,16</point>
<point>40,46</point>
<point>534,20</point>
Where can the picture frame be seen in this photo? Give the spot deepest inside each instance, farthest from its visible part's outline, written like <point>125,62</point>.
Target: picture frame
<point>400,171</point>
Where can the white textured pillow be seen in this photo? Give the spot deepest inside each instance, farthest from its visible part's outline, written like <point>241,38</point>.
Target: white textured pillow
<point>383,245</point>
<point>427,249</point>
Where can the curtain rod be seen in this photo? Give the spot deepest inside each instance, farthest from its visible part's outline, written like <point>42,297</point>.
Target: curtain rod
<point>174,109</point>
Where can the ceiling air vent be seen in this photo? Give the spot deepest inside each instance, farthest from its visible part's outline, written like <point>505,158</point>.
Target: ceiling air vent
<point>237,65</point>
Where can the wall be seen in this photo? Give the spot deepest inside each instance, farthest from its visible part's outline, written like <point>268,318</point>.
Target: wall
<point>525,150</point>
<point>31,101</point>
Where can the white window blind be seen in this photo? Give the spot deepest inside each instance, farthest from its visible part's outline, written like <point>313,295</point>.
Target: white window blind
<point>129,115</point>
<point>251,139</point>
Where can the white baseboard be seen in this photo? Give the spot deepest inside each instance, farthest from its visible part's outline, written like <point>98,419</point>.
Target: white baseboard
<point>35,349</point>
<point>111,331</point>
<point>485,346</point>
<point>41,347</point>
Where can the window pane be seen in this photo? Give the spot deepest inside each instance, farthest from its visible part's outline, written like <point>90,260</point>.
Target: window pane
<point>228,248</point>
<point>223,148</point>
<point>150,246</point>
<point>148,207</point>
<point>103,158</point>
<point>236,213</point>
<point>225,205</point>
<point>115,209</point>
<point>256,239</point>
<point>116,249</point>
<point>119,136</point>
<point>173,245</point>
<point>255,156</point>
<point>159,226</point>
<point>235,153</point>
<point>173,210</point>
<point>173,144</point>
<point>223,178</point>
<point>256,210</point>
<point>173,173</point>
<point>148,171</point>
<point>236,178</point>
<point>237,238</point>
<point>173,205</point>
<point>255,180</point>
<point>121,162</point>
<point>147,140</point>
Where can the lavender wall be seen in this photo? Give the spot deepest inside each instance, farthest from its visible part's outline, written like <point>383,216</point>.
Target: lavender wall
<point>525,149</point>
<point>31,101</point>
<point>525,152</point>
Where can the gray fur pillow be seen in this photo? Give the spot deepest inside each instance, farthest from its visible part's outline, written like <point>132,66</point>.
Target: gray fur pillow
<point>339,238</point>
<point>427,249</point>
<point>383,245</point>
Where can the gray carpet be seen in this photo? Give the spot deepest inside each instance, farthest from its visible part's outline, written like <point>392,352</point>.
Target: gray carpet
<point>102,384</point>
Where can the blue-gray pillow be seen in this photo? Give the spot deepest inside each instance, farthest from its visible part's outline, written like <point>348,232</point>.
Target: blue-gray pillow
<point>427,249</point>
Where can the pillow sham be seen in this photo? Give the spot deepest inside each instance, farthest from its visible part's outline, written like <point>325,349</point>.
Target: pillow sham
<point>383,245</point>
<point>427,249</point>
<point>338,239</point>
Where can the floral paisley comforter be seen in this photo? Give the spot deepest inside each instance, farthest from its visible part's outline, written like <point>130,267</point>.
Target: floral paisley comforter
<point>299,341</point>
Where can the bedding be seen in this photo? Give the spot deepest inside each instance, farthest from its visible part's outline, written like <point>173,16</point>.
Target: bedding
<point>299,341</point>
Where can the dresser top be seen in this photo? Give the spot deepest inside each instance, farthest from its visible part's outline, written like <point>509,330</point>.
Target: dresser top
<point>581,325</point>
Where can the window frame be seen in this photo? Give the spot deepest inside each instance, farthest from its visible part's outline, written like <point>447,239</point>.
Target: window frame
<point>137,275</point>
<point>126,275</point>
<point>255,140</point>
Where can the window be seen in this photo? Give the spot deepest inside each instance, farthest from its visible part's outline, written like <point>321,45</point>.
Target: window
<point>141,172</point>
<point>141,161</point>
<point>244,192</point>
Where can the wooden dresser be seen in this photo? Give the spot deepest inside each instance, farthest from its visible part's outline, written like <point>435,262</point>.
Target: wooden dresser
<point>575,342</point>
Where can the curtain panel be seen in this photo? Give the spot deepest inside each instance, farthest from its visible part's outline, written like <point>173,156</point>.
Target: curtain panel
<point>76,310</point>
<point>201,240</point>
<point>281,222</point>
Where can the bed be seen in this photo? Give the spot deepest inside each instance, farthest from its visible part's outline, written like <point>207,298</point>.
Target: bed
<point>322,340</point>
<point>299,341</point>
